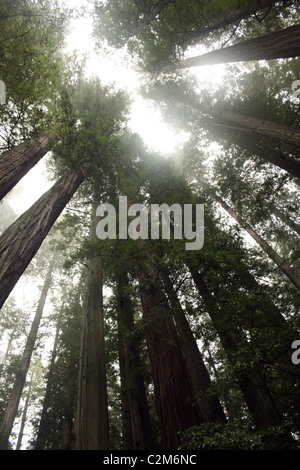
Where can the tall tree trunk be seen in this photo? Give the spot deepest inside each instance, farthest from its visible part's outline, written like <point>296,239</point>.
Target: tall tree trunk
<point>21,241</point>
<point>260,126</point>
<point>233,17</point>
<point>91,429</point>
<point>42,432</point>
<point>67,438</point>
<point>133,387</point>
<point>282,265</point>
<point>16,393</point>
<point>15,163</point>
<point>172,384</point>
<point>209,405</point>
<point>275,156</point>
<point>24,416</point>
<point>251,382</point>
<point>278,45</point>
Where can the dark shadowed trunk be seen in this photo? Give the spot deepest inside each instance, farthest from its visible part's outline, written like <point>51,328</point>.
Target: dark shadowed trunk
<point>209,405</point>
<point>42,432</point>
<point>19,383</point>
<point>21,241</point>
<point>133,393</point>
<point>172,384</point>
<point>250,378</point>
<point>15,163</point>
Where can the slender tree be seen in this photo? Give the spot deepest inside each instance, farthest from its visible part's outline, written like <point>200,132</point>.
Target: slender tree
<point>12,408</point>
<point>281,263</point>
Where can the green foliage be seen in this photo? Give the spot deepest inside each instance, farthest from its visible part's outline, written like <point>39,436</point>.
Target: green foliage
<point>31,36</point>
<point>230,436</point>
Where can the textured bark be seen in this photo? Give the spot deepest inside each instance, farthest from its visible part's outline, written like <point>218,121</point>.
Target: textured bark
<point>259,126</point>
<point>19,383</point>
<point>172,385</point>
<point>287,270</point>
<point>136,416</point>
<point>21,241</point>
<point>278,45</point>
<point>91,429</point>
<point>209,405</point>
<point>234,16</point>
<point>16,163</point>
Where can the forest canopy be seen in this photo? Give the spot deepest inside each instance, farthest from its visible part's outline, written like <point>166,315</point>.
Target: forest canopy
<point>149,300</point>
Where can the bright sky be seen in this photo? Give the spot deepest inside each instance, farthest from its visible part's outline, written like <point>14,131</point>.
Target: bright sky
<point>114,68</point>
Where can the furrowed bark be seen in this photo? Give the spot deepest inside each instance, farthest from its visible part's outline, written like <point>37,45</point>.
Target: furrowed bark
<point>16,163</point>
<point>21,241</point>
<point>92,428</point>
<point>172,385</point>
<point>278,45</point>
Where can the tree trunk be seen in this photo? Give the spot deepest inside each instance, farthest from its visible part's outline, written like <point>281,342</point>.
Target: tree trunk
<point>172,385</point>
<point>21,241</point>
<point>209,405</point>
<point>259,126</point>
<point>286,219</point>
<point>282,265</point>
<point>16,163</point>
<point>275,157</point>
<point>15,397</point>
<point>42,432</point>
<point>250,379</point>
<point>91,428</point>
<point>278,45</point>
<point>24,417</point>
<point>133,387</point>
<point>233,17</point>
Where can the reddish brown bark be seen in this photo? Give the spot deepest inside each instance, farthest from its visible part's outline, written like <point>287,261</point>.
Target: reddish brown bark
<point>278,45</point>
<point>172,384</point>
<point>21,241</point>
<point>16,163</point>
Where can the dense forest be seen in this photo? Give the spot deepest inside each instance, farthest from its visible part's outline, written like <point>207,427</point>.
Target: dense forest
<point>150,300</point>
